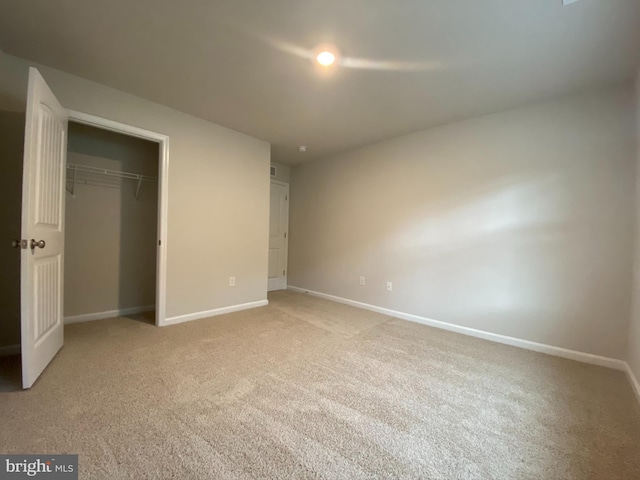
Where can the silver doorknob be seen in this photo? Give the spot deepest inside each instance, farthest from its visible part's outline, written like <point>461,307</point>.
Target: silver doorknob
<point>35,244</point>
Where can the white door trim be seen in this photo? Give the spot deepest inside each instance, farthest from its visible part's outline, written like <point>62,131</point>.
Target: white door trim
<point>163,191</point>
<point>280,182</point>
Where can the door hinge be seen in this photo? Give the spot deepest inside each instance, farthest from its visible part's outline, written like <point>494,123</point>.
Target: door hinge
<point>283,273</point>
<point>286,197</point>
<point>285,234</point>
<point>159,242</point>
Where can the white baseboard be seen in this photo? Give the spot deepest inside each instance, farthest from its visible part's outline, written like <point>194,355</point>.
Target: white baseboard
<point>635,385</point>
<point>87,317</point>
<point>493,337</point>
<point>9,350</point>
<point>212,313</point>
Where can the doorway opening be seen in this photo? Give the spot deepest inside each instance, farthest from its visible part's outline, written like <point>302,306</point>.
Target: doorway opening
<point>115,221</point>
<point>111,212</point>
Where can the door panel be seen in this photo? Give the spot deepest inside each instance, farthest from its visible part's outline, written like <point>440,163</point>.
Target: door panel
<point>49,170</point>
<point>41,261</point>
<point>274,262</point>
<point>278,226</point>
<point>46,278</point>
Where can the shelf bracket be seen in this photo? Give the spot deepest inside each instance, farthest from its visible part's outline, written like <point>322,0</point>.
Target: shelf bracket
<point>72,191</point>
<point>138,187</point>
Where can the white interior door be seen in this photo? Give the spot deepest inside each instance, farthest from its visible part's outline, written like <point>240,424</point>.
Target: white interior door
<point>41,264</point>
<point>278,226</point>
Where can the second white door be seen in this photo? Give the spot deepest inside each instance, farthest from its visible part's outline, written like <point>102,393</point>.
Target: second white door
<point>278,233</point>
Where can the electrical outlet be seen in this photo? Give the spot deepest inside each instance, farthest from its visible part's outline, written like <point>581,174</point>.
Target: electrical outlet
<point>232,281</point>
<point>362,281</point>
<point>389,286</point>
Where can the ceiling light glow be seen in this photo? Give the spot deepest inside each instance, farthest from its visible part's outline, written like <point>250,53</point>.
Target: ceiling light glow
<point>326,58</point>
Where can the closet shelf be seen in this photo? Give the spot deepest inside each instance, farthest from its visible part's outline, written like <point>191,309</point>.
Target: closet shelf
<point>105,171</point>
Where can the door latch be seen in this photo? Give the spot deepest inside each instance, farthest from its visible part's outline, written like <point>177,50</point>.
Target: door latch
<point>19,244</point>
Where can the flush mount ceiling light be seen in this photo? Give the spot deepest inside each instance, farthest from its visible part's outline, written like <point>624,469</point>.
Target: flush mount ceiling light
<point>325,58</point>
<point>343,61</point>
<point>302,148</point>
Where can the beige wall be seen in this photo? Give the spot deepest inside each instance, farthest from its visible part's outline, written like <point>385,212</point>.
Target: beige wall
<point>634,327</point>
<point>218,190</point>
<point>110,237</point>
<point>518,223</point>
<point>11,148</point>
<point>283,172</point>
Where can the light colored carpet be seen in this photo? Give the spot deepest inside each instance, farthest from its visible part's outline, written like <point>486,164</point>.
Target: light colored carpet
<point>307,388</point>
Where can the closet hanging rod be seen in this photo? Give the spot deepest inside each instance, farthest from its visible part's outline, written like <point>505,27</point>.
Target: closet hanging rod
<point>111,173</point>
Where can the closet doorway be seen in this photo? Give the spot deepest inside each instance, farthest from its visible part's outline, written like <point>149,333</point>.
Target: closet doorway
<point>114,222</point>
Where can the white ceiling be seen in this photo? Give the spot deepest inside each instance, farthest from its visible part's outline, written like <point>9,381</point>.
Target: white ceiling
<point>240,63</point>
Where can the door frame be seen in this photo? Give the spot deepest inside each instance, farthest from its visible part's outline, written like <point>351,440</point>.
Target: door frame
<point>286,238</point>
<point>163,189</point>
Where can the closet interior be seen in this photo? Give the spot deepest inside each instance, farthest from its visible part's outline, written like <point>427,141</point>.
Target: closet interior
<point>111,225</point>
